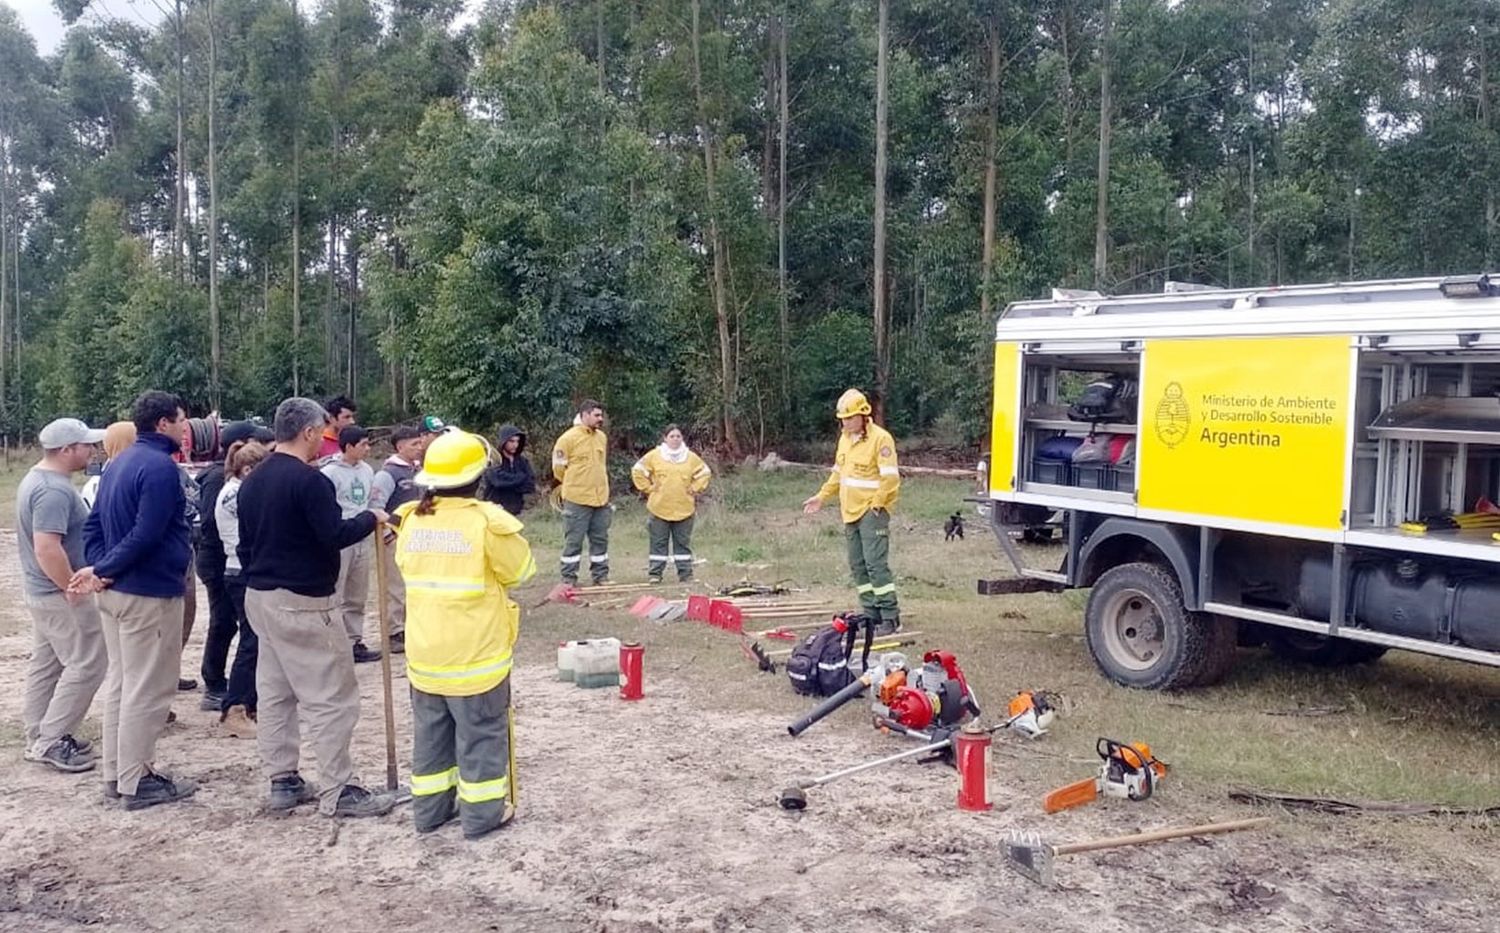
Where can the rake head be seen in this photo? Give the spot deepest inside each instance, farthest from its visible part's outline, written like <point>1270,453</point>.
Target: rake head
<point>1029,855</point>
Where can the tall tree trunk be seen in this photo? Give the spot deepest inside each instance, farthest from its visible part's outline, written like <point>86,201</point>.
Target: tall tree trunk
<point>4,259</point>
<point>599,41</point>
<point>1491,209</point>
<point>879,296</point>
<point>180,206</point>
<point>1101,210</point>
<point>330,315</point>
<point>214,383</point>
<point>1065,33</point>
<point>351,250</point>
<point>1255,278</point>
<point>991,133</point>
<point>718,284</point>
<point>767,143</point>
<point>786,353</point>
<point>297,211</point>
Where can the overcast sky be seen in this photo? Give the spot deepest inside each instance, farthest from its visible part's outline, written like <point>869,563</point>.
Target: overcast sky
<point>42,21</point>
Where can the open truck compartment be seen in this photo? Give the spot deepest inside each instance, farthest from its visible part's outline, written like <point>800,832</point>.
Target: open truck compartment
<point>1323,460</point>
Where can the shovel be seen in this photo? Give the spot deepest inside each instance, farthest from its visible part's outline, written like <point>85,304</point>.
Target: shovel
<point>1028,854</point>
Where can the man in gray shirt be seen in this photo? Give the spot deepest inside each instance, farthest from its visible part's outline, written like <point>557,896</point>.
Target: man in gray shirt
<point>353,481</point>
<point>68,660</point>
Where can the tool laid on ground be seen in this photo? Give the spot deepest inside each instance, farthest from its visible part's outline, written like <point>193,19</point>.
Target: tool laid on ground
<point>1031,712</point>
<point>795,797</point>
<point>1129,772</point>
<point>905,639</point>
<point>937,692</point>
<point>746,588</point>
<point>758,655</point>
<point>1032,857</point>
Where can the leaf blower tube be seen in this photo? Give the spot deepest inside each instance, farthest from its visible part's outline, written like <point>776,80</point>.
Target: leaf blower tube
<point>854,689</point>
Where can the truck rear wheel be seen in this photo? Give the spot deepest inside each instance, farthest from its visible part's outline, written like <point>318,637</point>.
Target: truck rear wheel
<point>1320,650</point>
<point>1141,633</point>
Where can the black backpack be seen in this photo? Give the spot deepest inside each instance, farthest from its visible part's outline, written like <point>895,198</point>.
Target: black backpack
<point>819,666</point>
<point>1112,398</point>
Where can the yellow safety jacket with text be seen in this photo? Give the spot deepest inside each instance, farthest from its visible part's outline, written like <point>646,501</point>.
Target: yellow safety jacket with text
<point>671,481</point>
<point>865,475</point>
<point>578,463</point>
<point>457,563</point>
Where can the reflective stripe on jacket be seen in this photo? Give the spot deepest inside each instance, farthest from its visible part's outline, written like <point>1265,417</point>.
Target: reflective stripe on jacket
<point>578,463</point>
<point>457,563</point>
<point>864,475</point>
<point>671,481</point>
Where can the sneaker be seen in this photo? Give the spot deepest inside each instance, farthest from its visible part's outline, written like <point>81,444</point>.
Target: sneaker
<point>654,580</point>
<point>154,789</point>
<point>184,684</point>
<point>65,756</point>
<point>236,723</point>
<point>111,790</point>
<point>356,801</point>
<point>289,792</point>
<point>363,654</point>
<point>83,745</point>
<point>508,814</point>
<point>396,644</point>
<point>212,702</point>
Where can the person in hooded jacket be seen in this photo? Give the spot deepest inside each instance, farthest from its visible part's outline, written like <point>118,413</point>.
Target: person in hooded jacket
<point>508,482</point>
<point>672,477</point>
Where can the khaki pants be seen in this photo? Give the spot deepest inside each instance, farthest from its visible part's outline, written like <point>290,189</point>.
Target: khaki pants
<point>353,588</point>
<point>395,590</point>
<point>68,663</point>
<point>143,635</point>
<point>304,676</point>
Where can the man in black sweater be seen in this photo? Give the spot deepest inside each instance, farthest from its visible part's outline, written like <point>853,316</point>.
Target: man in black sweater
<point>291,533</point>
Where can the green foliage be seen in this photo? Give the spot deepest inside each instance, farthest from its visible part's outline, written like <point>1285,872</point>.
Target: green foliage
<point>519,209</point>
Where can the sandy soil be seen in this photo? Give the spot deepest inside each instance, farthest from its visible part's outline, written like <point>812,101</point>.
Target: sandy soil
<point>657,815</point>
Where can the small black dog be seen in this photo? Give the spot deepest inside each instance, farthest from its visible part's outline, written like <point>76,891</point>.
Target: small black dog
<point>954,527</point>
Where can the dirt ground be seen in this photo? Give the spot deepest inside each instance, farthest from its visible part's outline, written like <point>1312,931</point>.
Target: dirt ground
<point>660,815</point>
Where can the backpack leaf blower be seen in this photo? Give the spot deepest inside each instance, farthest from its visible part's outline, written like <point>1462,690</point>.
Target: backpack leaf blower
<point>935,694</point>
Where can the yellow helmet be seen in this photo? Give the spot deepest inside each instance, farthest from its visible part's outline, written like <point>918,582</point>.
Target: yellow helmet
<point>454,458</point>
<point>851,403</point>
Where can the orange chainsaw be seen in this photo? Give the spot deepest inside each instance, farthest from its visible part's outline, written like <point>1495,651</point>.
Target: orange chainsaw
<point>1129,772</point>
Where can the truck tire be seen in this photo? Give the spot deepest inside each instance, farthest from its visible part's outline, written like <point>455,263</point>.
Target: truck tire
<point>1320,650</point>
<point>1142,635</point>
<point>1223,648</point>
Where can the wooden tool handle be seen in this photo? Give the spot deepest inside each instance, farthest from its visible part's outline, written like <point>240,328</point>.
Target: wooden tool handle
<point>383,613</point>
<point>1136,839</point>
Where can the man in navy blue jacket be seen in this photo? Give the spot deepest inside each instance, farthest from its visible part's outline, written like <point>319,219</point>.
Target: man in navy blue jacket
<point>137,545</point>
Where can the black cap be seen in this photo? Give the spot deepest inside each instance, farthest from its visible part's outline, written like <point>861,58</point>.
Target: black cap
<point>237,431</point>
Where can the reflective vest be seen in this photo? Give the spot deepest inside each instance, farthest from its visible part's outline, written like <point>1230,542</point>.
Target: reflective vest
<point>578,463</point>
<point>457,563</point>
<point>864,474</point>
<point>670,481</point>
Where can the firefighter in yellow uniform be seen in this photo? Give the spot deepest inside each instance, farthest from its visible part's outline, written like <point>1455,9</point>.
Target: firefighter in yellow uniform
<point>673,477</point>
<point>868,483</point>
<point>458,556</point>
<point>578,464</point>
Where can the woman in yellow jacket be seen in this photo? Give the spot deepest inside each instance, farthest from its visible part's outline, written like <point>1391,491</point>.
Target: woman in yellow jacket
<point>672,477</point>
<point>458,556</point>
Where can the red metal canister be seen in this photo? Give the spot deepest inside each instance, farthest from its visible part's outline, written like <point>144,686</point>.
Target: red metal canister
<point>632,657</point>
<point>972,746</point>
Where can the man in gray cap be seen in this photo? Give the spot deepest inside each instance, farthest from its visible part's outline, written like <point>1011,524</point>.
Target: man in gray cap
<point>68,660</point>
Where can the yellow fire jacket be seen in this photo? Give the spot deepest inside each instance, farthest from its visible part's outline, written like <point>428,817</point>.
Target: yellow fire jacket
<point>864,473</point>
<point>457,563</point>
<point>670,481</point>
<point>578,463</point>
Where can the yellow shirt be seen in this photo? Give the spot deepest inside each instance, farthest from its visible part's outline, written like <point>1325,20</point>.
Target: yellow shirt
<point>578,463</point>
<point>865,475</point>
<point>457,563</point>
<point>671,481</point>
